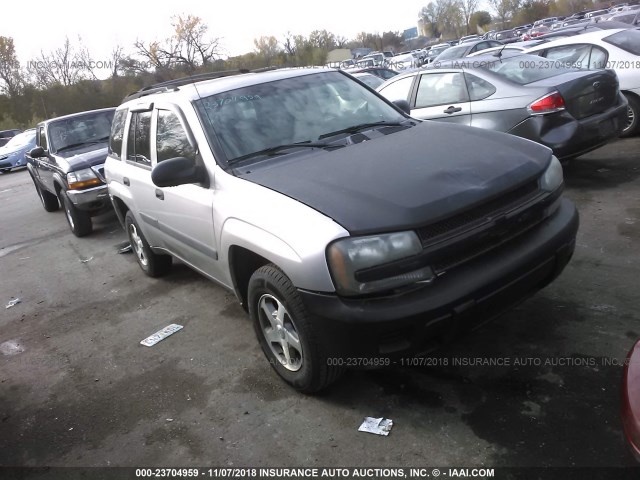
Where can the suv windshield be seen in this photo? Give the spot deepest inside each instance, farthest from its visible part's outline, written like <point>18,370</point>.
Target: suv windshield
<point>294,110</point>
<point>80,130</point>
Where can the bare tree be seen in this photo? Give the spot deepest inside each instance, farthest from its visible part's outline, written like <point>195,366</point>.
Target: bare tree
<point>289,44</point>
<point>189,46</point>
<point>467,8</point>
<point>64,66</point>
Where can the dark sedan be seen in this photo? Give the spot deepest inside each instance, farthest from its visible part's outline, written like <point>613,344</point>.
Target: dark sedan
<point>14,153</point>
<point>461,51</point>
<point>569,110</point>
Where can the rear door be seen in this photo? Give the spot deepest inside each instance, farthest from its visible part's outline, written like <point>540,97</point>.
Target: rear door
<point>443,96</point>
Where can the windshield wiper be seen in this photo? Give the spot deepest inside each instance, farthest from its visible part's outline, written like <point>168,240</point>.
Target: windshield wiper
<point>362,126</point>
<point>80,144</point>
<point>278,148</point>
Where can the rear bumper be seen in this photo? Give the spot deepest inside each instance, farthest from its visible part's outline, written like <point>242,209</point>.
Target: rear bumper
<point>460,300</point>
<point>568,137</point>
<point>94,199</point>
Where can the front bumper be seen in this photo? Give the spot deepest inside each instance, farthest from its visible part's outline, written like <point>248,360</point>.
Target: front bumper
<point>8,163</point>
<point>568,137</point>
<point>91,199</point>
<point>462,299</point>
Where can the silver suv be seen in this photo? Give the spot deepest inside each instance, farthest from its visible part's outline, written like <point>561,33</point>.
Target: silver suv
<point>353,234</point>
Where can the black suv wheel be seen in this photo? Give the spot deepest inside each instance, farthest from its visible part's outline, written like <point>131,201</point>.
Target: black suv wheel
<point>48,199</point>
<point>79,221</point>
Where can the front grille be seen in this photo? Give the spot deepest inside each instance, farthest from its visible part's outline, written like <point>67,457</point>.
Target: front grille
<point>478,215</point>
<point>489,239</point>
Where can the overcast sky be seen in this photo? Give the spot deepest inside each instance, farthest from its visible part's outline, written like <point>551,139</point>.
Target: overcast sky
<point>42,25</point>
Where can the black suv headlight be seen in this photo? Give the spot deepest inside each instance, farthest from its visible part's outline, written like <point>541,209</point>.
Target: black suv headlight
<point>357,264</point>
<point>552,178</point>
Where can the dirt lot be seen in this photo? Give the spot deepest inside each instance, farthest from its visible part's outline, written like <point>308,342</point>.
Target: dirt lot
<point>84,392</point>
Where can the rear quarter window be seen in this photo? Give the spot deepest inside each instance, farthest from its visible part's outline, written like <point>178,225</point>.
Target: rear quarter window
<point>627,40</point>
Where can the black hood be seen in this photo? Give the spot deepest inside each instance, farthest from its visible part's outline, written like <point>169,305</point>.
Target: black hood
<point>405,179</point>
<point>85,156</point>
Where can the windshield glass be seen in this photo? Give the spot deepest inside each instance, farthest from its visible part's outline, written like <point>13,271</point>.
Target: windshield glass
<point>81,129</point>
<point>21,140</point>
<point>288,111</point>
<point>524,69</point>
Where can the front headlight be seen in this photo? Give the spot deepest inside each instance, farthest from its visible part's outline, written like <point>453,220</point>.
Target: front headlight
<point>353,262</point>
<point>552,177</point>
<point>82,179</point>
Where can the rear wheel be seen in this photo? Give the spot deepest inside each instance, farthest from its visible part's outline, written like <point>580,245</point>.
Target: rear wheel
<point>151,263</point>
<point>48,199</point>
<point>633,112</point>
<point>286,332</point>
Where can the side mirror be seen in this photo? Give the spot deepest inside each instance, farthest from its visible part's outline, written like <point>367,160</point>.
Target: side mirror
<point>403,105</point>
<point>36,152</point>
<point>177,171</point>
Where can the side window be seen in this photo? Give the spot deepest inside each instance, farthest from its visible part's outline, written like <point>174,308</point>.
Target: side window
<point>441,89</point>
<point>398,90</point>
<point>117,133</point>
<point>171,139</point>
<point>42,138</point>
<point>576,56</point>
<point>598,58</point>
<point>479,89</point>
<point>138,141</point>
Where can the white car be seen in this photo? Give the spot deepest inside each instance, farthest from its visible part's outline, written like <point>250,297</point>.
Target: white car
<point>616,49</point>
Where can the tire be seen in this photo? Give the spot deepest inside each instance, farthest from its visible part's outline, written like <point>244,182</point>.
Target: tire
<point>48,199</point>
<point>151,263</point>
<point>79,221</point>
<point>633,116</point>
<point>288,340</point>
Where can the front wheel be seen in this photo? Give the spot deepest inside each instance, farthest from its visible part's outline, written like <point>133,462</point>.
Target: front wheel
<point>79,221</point>
<point>286,333</point>
<point>151,263</point>
<point>633,111</point>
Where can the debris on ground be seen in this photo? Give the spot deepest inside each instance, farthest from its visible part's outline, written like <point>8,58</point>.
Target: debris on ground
<point>86,260</point>
<point>124,248</point>
<point>11,347</point>
<point>13,303</point>
<point>161,335</point>
<point>378,426</point>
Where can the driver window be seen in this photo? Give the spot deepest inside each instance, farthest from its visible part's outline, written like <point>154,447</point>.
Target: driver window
<point>171,139</point>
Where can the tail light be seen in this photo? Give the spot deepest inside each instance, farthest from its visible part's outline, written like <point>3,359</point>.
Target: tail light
<point>553,102</point>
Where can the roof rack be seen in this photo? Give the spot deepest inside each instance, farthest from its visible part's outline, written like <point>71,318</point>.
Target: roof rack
<point>172,85</point>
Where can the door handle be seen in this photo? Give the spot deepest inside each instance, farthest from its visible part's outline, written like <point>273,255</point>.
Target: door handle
<point>126,181</point>
<point>452,109</point>
<point>159,194</point>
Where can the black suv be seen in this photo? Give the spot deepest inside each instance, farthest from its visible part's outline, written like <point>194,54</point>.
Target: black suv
<point>67,166</point>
